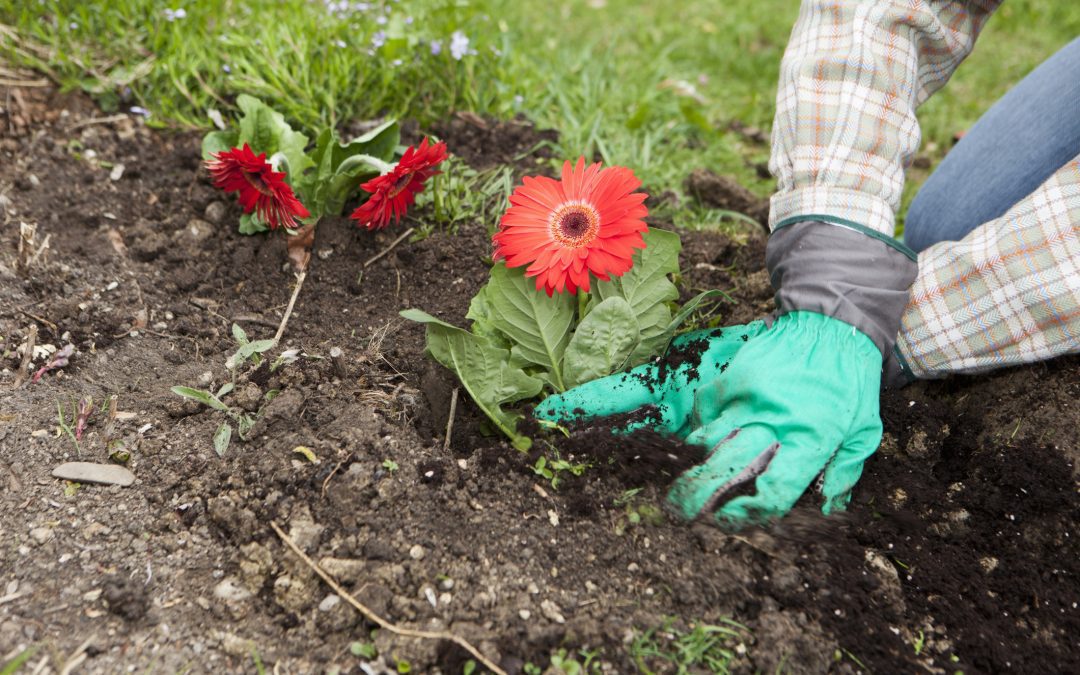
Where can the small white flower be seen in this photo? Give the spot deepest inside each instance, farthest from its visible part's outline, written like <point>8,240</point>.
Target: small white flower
<point>378,39</point>
<point>174,14</point>
<point>340,44</point>
<point>459,45</point>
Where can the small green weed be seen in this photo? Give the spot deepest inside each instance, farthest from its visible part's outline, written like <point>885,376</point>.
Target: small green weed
<point>636,512</point>
<point>671,650</point>
<point>554,470</point>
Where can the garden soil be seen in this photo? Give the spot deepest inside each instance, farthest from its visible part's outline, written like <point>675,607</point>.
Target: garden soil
<point>959,552</point>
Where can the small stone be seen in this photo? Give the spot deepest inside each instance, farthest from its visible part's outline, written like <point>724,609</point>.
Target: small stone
<point>633,567</point>
<point>524,614</point>
<point>88,472</point>
<point>117,172</point>
<point>329,602</point>
<point>34,180</point>
<point>532,588</point>
<point>215,212</point>
<point>552,611</point>
<point>199,229</point>
<point>344,569</point>
<point>206,378</point>
<point>324,253</point>
<point>41,534</point>
<point>93,595</point>
<point>446,584</point>
<point>417,552</point>
<point>231,591</point>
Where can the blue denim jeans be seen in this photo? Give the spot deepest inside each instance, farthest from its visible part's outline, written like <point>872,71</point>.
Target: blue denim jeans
<point>1026,136</point>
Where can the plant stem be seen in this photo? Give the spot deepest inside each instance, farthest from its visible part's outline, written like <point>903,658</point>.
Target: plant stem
<point>582,304</point>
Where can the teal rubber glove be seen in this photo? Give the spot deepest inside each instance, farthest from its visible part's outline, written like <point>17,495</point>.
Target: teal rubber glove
<point>664,395</point>
<point>791,402</point>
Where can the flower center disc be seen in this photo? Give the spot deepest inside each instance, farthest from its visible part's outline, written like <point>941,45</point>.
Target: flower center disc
<point>401,183</point>
<point>257,182</point>
<point>575,224</point>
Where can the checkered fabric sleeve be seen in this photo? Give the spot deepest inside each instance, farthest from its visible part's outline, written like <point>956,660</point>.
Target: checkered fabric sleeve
<point>1006,294</point>
<point>852,76</point>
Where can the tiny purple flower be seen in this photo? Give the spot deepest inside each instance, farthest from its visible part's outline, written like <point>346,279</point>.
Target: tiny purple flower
<point>436,47</point>
<point>378,39</point>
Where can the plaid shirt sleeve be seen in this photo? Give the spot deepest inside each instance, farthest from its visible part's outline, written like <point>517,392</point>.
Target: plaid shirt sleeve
<point>852,76</point>
<point>1008,293</point>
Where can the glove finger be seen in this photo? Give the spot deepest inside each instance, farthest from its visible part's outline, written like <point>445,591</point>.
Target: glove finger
<point>791,470</point>
<point>845,469</point>
<point>737,456</point>
<point>611,395</point>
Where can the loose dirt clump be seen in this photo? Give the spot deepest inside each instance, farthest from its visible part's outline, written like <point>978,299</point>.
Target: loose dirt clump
<point>958,552</point>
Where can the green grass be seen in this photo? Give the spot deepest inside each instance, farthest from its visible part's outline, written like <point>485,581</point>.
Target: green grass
<point>636,83</point>
<point>700,648</point>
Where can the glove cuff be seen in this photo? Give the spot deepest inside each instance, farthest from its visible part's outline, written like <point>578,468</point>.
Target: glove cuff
<point>841,272</point>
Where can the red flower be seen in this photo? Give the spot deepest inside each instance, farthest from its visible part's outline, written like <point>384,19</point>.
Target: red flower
<point>591,221</point>
<point>393,193</point>
<point>261,189</point>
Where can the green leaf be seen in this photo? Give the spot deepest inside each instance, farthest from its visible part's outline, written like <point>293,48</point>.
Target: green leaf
<point>483,369</point>
<point>648,290</point>
<point>247,349</point>
<point>13,666</point>
<point>537,325</point>
<point>483,318</point>
<point>346,181</point>
<point>225,389</point>
<point>602,343</point>
<point>689,308</point>
<point>266,130</point>
<point>222,438</point>
<point>250,223</point>
<point>341,168</point>
<point>204,397</point>
<point>217,141</point>
<point>239,334</point>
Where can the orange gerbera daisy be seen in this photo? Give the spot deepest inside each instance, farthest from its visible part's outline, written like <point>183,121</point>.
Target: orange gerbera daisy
<point>589,222</point>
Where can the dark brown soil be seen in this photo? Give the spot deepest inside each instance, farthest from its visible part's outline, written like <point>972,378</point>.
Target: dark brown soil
<point>959,551</point>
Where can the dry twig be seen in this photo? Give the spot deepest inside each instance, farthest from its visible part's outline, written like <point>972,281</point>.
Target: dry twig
<point>378,256</point>
<point>289,309</point>
<point>375,618</point>
<point>450,420</point>
<point>27,357</point>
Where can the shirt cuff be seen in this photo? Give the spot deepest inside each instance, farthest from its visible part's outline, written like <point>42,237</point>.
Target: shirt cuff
<point>840,206</point>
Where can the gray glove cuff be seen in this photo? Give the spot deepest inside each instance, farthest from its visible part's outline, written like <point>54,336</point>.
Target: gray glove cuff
<point>849,274</point>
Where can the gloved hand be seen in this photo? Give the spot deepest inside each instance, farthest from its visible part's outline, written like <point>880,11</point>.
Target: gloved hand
<point>780,405</point>
<point>796,399</point>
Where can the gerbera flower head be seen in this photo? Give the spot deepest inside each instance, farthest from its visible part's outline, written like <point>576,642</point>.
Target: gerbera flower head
<point>394,192</point>
<point>588,222</point>
<point>259,187</point>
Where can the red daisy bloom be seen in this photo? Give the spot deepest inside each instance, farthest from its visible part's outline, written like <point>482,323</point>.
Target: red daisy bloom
<point>393,193</point>
<point>591,221</point>
<point>260,188</point>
